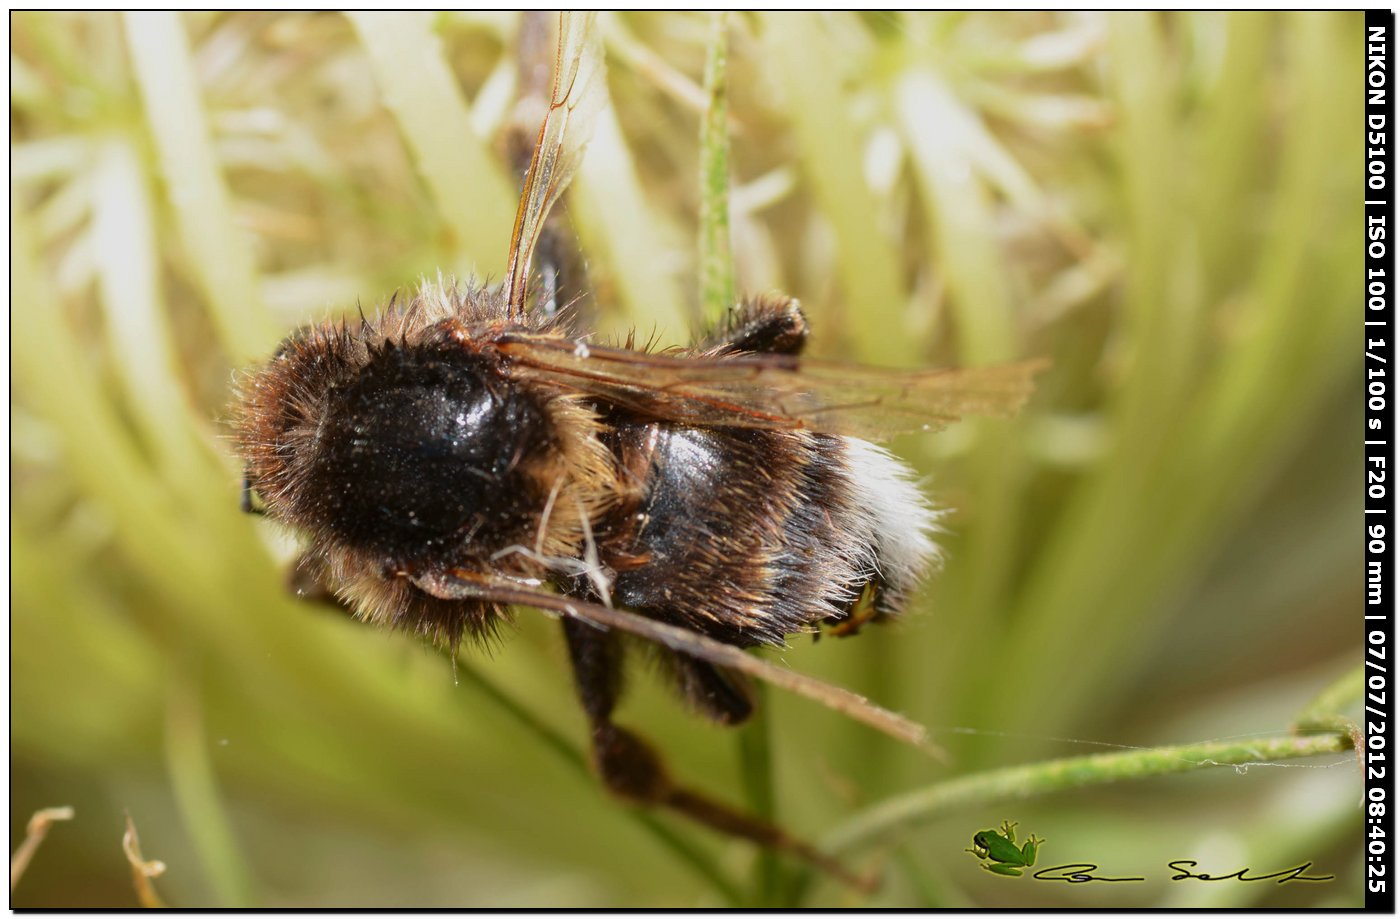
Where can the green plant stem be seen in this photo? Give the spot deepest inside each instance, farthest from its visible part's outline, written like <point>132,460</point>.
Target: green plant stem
<point>198,194</point>
<point>904,811</point>
<point>616,224</point>
<point>829,148</point>
<point>197,793</point>
<point>686,851</point>
<point>1325,711</point>
<point>717,295</point>
<point>756,762</point>
<point>929,892</point>
<point>716,265</point>
<point>126,251</point>
<point>475,198</point>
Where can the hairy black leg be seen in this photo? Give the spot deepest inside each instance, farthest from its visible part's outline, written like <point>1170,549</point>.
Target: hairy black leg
<point>597,663</point>
<point>765,325</point>
<point>633,771</point>
<point>721,695</point>
<point>308,579</point>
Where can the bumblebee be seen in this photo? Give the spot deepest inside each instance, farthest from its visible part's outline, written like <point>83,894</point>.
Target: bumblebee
<point>466,450</point>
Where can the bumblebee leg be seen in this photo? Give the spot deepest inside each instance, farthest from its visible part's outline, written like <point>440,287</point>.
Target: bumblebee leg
<point>765,325</point>
<point>309,580</point>
<point>719,694</point>
<point>633,771</point>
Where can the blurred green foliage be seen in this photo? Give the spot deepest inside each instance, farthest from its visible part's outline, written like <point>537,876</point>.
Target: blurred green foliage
<point>1160,550</point>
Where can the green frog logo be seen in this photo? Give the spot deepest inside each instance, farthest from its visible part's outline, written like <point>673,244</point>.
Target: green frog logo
<point>997,849</point>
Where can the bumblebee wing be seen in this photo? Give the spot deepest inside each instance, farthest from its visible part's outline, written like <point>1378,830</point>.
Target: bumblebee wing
<point>774,391</point>
<point>565,132</point>
<point>465,585</point>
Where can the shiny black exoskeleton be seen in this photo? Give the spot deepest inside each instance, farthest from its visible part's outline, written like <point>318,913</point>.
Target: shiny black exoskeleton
<point>420,452</point>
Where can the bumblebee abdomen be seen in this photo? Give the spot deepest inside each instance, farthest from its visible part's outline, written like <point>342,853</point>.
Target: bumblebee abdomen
<point>752,535</point>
